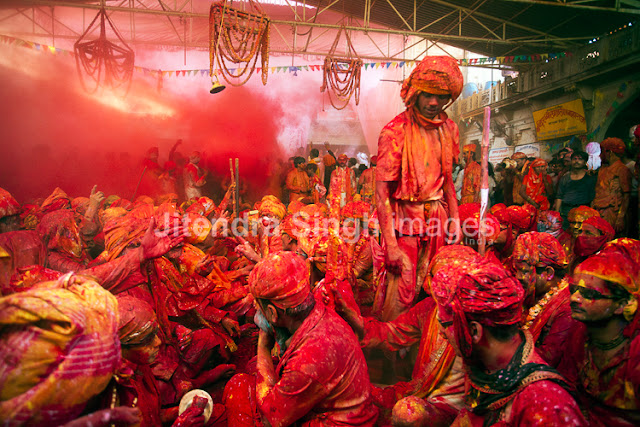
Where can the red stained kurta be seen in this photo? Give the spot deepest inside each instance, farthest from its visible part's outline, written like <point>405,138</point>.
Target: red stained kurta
<point>613,182</point>
<point>434,374</point>
<point>471,184</point>
<point>553,325</point>
<point>322,377</point>
<point>611,393</point>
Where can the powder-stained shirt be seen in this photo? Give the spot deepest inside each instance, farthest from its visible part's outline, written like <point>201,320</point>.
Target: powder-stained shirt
<point>322,378</point>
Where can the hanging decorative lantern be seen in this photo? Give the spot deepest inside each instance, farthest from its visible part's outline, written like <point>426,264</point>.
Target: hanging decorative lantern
<point>101,62</point>
<point>341,75</point>
<point>236,39</point>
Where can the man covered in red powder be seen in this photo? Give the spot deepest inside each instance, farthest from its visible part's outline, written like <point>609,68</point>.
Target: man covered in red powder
<point>472,176</point>
<point>415,195</point>
<point>321,378</point>
<point>194,177</point>
<point>518,175</point>
<point>613,185</point>
<point>342,181</point>
<point>541,263</point>
<point>537,186</point>
<point>367,181</point>
<point>437,374</point>
<point>508,383</point>
<point>603,359</point>
<point>297,182</point>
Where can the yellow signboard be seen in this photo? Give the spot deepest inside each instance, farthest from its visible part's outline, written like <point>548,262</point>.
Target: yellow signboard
<point>562,120</point>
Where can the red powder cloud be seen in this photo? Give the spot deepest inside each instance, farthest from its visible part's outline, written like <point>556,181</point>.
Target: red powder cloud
<point>54,134</point>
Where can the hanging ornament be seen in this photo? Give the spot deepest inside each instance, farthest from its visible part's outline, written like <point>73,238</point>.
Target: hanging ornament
<point>101,62</point>
<point>341,75</point>
<point>236,39</point>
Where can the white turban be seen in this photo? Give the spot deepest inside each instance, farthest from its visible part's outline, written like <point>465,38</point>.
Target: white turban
<point>593,150</point>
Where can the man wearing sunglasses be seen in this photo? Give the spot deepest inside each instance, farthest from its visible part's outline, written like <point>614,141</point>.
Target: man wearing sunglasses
<point>602,359</point>
<point>540,264</point>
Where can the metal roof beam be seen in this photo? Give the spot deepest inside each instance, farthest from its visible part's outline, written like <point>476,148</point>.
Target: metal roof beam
<point>579,5</point>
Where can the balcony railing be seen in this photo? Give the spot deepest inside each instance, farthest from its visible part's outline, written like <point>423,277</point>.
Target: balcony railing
<point>611,48</point>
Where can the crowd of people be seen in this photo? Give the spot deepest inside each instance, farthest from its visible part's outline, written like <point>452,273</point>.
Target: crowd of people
<point>170,309</point>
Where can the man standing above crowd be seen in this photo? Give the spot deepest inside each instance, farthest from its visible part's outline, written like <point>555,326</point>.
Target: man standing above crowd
<point>613,185</point>
<point>575,188</point>
<point>414,184</point>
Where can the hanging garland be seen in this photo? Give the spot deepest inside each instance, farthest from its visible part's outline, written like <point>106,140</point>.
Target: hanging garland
<point>236,37</point>
<point>341,75</point>
<point>103,62</point>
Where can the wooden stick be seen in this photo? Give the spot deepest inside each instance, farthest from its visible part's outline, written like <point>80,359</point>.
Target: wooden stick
<point>233,180</point>
<point>237,176</point>
<point>484,188</point>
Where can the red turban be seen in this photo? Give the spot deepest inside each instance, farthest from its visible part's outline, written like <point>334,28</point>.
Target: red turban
<point>282,278</point>
<point>581,213</point>
<point>448,255</point>
<point>589,244</point>
<point>57,200</point>
<point>523,217</point>
<point>137,321</point>
<point>618,262</point>
<point>470,222</point>
<point>518,155</point>
<point>636,131</point>
<point>470,147</point>
<point>58,231</point>
<point>538,162</point>
<point>8,205</point>
<point>439,75</point>
<point>355,209</point>
<point>540,250</point>
<point>613,144</point>
<point>374,159</point>
<point>122,232</point>
<point>481,291</point>
<point>343,157</point>
<point>295,206</point>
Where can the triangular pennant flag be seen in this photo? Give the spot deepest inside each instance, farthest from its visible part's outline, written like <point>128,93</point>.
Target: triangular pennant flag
<point>202,72</point>
<point>170,73</point>
<point>52,49</point>
<point>306,68</point>
<point>273,70</point>
<point>482,60</point>
<point>402,64</point>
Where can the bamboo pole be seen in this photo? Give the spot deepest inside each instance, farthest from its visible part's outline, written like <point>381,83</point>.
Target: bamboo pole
<point>233,180</point>
<point>237,191</point>
<point>484,188</point>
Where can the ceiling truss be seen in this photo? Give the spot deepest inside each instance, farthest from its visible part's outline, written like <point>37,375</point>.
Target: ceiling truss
<point>300,34</point>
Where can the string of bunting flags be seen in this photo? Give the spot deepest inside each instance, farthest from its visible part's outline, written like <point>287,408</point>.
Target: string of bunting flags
<point>295,69</point>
